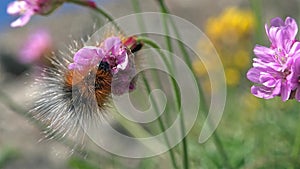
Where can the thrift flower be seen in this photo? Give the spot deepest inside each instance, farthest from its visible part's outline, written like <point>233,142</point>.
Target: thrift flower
<point>273,66</point>
<point>36,46</point>
<point>78,89</point>
<point>27,8</point>
<point>85,59</point>
<point>113,52</point>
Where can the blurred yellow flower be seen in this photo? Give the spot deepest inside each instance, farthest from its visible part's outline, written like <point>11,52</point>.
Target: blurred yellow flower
<point>233,24</point>
<point>232,76</point>
<point>231,34</point>
<point>241,59</point>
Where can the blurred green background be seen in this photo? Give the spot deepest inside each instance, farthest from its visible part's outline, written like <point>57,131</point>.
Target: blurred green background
<point>256,133</point>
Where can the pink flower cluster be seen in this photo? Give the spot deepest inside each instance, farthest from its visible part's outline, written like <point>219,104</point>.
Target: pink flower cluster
<point>276,69</point>
<point>113,52</point>
<point>28,8</point>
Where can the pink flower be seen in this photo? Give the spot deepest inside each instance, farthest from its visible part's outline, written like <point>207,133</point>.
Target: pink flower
<point>28,8</point>
<point>36,46</point>
<point>295,80</point>
<point>273,66</point>
<point>85,59</point>
<point>113,52</point>
<point>282,34</point>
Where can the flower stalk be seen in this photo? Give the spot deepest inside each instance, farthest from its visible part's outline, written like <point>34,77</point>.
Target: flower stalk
<point>187,59</point>
<point>94,7</point>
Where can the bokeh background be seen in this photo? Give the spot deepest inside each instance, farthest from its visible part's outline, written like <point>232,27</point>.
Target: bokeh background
<point>256,133</point>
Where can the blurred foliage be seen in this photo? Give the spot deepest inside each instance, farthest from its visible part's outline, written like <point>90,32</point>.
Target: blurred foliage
<point>7,155</point>
<point>79,163</point>
<point>256,133</point>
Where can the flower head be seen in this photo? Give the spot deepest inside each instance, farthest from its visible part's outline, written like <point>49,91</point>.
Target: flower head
<point>273,66</point>
<point>281,34</point>
<point>28,8</point>
<point>113,52</point>
<point>36,45</point>
<point>78,90</point>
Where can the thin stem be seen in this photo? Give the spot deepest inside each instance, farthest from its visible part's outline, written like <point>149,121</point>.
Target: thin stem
<point>161,124</point>
<point>177,94</point>
<point>178,101</point>
<point>187,59</point>
<point>137,9</point>
<point>97,9</point>
<point>154,45</point>
<point>257,10</point>
<point>296,146</point>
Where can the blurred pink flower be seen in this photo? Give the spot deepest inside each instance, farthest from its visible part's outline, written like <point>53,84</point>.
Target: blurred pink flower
<point>36,46</point>
<point>28,8</point>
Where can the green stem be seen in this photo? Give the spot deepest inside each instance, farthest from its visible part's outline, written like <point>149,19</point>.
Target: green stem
<point>177,93</point>
<point>161,124</point>
<point>187,59</point>
<point>137,9</point>
<point>97,9</point>
<point>296,146</point>
<point>154,45</point>
<point>257,10</point>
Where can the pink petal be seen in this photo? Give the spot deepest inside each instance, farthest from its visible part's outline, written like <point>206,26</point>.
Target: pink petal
<point>263,52</point>
<point>262,92</point>
<point>112,44</point>
<point>295,49</point>
<point>253,75</point>
<point>285,91</point>
<point>14,8</point>
<point>123,61</point>
<point>293,27</point>
<point>277,22</point>
<point>296,67</point>
<point>23,20</point>
<point>297,95</point>
<point>85,58</point>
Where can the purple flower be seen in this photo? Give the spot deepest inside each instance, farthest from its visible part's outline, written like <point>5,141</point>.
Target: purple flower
<point>273,66</point>
<point>86,58</point>
<point>36,46</point>
<point>282,34</point>
<point>28,8</point>
<point>295,79</point>
<point>115,53</point>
